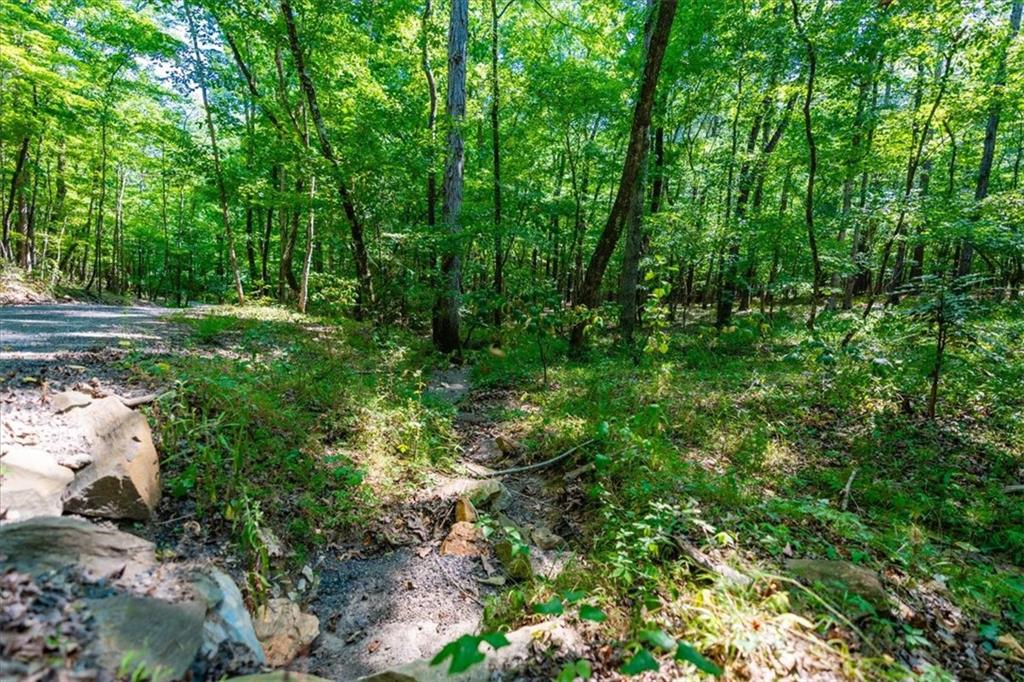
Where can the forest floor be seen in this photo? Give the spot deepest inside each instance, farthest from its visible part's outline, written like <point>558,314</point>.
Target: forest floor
<point>322,461</point>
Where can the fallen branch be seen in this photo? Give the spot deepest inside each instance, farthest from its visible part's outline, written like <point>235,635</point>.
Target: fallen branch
<point>847,488</point>
<point>1014,489</point>
<point>703,561</point>
<point>532,467</point>
<point>139,400</point>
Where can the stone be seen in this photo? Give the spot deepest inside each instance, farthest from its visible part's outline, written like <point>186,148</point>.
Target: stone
<point>123,482</point>
<point>464,510</point>
<point>31,483</point>
<point>507,445</point>
<point>464,539</point>
<point>487,493</point>
<point>545,539</point>
<point>852,578</point>
<point>62,402</point>
<point>228,622</point>
<point>284,631</point>
<point>158,637</point>
<point>553,638</point>
<point>52,543</point>
<point>516,564</point>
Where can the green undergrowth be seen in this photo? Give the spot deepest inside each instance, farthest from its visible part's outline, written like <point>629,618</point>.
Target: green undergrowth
<point>743,440</point>
<point>288,431</point>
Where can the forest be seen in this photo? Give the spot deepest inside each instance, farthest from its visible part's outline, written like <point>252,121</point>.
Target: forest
<point>721,299</point>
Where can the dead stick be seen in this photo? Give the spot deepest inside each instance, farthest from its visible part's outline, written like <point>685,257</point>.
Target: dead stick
<point>140,400</point>
<point>847,488</point>
<point>1014,489</point>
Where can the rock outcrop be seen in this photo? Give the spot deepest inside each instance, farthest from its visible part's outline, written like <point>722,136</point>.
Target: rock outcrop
<point>284,631</point>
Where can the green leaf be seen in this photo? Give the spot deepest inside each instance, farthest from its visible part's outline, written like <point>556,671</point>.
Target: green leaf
<point>572,597</point>
<point>642,662</point>
<point>658,639</point>
<point>602,430</point>
<point>593,613</point>
<point>495,639</point>
<point>570,671</point>
<point>552,607</point>
<point>463,652</point>
<point>583,669</point>
<point>687,653</point>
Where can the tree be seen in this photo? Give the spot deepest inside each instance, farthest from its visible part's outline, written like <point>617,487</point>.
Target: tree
<point>446,323</point>
<point>631,169</point>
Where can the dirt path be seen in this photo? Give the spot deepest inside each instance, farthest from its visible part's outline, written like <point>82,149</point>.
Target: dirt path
<point>402,599</point>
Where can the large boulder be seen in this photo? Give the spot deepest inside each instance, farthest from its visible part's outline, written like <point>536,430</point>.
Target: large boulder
<point>52,543</point>
<point>284,631</point>
<point>156,639</point>
<point>123,481</point>
<point>31,483</point>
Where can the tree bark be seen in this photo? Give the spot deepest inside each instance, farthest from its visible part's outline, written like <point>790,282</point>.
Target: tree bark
<point>446,323</point>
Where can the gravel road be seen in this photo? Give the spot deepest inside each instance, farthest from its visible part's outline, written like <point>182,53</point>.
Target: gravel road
<point>39,332</point>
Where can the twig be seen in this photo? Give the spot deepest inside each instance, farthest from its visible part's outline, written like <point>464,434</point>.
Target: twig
<point>847,488</point>
<point>531,467</point>
<point>705,562</point>
<point>140,400</point>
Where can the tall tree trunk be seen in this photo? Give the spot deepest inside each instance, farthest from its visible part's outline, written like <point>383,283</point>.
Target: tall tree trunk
<point>307,261</point>
<point>446,324</point>
<point>991,128</point>
<point>598,263</point>
<point>812,163</point>
<point>222,193</point>
<point>365,299</point>
<point>16,182</point>
<point>499,284</point>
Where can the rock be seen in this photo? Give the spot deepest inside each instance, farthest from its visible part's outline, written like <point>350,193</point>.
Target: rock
<point>507,445</point>
<point>850,577</point>
<point>487,493</point>
<point>52,543</point>
<point>32,483</point>
<point>464,539</point>
<point>123,482</point>
<point>158,637</point>
<point>284,631</point>
<point>553,638</point>
<point>62,402</point>
<point>517,564</point>
<point>227,620</point>
<point>464,510</point>
<point>544,538</point>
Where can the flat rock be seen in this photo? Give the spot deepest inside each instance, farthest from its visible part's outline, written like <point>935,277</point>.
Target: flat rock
<point>464,539</point>
<point>855,579</point>
<point>32,483</point>
<point>123,482</point>
<point>51,543</point>
<point>162,638</point>
<point>62,402</point>
<point>284,631</point>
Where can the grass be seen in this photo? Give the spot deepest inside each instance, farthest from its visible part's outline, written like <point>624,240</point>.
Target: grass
<point>744,441</point>
<point>287,428</point>
<point>280,423</point>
